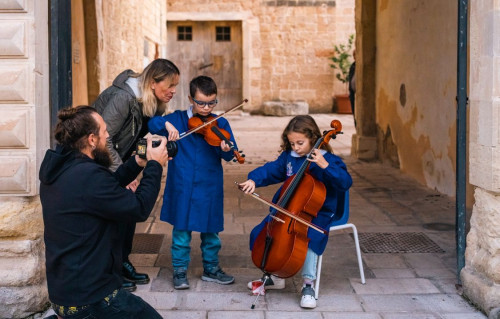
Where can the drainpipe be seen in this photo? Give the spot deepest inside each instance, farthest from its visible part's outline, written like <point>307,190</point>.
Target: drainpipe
<point>462,101</point>
<point>60,58</point>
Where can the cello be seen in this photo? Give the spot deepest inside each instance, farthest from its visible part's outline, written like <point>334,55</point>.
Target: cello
<point>281,246</point>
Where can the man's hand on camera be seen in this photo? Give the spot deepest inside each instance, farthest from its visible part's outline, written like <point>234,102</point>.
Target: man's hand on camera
<point>141,161</point>
<point>133,185</point>
<point>159,153</point>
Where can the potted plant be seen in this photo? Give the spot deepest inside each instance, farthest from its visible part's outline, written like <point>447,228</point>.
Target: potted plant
<point>341,61</point>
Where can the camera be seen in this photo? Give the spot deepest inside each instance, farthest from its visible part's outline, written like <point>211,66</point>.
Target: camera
<point>142,146</point>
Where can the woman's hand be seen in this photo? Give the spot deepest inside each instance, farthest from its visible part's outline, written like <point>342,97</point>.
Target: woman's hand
<point>317,157</point>
<point>248,186</point>
<point>173,133</point>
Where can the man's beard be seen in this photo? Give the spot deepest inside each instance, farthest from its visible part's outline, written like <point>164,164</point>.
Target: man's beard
<point>102,157</point>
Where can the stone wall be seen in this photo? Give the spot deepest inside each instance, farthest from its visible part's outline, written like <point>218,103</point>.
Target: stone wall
<point>131,35</point>
<point>24,137</point>
<point>481,275</point>
<point>415,89</point>
<point>286,45</point>
<point>124,33</point>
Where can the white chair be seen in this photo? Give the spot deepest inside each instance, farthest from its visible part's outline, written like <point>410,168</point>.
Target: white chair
<point>341,223</point>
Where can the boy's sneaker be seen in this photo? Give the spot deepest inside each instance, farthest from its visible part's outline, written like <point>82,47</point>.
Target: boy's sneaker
<point>272,283</point>
<point>180,279</point>
<point>218,276</point>
<point>308,299</point>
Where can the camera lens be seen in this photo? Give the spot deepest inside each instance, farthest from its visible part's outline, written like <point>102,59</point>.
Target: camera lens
<point>171,148</point>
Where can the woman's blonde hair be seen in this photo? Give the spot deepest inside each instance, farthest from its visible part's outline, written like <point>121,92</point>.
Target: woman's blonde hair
<point>158,70</point>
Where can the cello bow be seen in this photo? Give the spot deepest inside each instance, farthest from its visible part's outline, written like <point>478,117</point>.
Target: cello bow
<point>284,211</point>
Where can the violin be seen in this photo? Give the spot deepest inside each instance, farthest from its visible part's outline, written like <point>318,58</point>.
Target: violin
<point>213,134</point>
<point>280,248</point>
<point>207,126</point>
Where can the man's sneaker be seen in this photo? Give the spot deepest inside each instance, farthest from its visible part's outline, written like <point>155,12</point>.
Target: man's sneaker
<point>271,283</point>
<point>217,275</point>
<point>308,299</point>
<point>180,279</point>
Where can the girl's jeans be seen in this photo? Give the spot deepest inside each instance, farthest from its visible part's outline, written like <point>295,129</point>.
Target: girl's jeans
<point>310,265</point>
<point>181,248</point>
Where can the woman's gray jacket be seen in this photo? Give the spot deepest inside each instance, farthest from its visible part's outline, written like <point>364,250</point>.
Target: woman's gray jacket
<point>122,113</point>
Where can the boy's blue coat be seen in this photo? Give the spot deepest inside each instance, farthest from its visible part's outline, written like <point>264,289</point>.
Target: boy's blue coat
<point>335,177</point>
<point>193,197</point>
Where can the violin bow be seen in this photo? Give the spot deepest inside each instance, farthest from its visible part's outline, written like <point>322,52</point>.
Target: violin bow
<point>184,134</point>
<point>284,211</point>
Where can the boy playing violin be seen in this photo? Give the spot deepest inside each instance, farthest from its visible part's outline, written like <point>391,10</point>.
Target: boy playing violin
<point>298,140</point>
<point>193,197</point>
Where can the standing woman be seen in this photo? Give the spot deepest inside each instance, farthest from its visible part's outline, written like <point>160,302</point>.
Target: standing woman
<point>126,107</point>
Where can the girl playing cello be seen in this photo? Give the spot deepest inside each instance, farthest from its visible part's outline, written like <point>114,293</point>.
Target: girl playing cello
<point>298,139</point>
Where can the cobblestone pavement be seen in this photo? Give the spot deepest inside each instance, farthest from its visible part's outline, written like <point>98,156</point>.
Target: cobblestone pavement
<point>382,200</point>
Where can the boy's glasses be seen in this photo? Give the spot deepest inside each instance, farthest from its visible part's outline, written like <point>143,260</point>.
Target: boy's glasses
<point>202,104</point>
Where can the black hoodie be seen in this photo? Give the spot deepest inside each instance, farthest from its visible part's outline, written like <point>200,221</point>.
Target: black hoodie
<point>83,204</point>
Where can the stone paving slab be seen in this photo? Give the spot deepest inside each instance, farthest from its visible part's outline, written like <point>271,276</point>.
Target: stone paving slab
<point>176,314</point>
<point>400,315</point>
<point>415,303</point>
<point>391,286</point>
<point>355,315</point>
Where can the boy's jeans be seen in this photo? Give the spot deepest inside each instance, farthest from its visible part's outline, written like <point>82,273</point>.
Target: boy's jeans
<point>181,247</point>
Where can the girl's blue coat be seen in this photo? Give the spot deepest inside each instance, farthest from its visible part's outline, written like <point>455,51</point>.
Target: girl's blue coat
<point>335,177</point>
<point>193,197</point>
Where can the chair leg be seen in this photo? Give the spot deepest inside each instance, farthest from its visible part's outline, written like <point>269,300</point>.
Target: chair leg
<point>318,276</point>
<point>358,253</point>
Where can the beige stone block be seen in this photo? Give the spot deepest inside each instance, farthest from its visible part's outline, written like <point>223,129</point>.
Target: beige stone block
<point>21,217</point>
<point>486,213</point>
<point>21,271</point>
<point>480,290</point>
<point>14,174</point>
<point>13,6</point>
<point>14,128</point>
<point>481,78</point>
<point>484,120</point>
<point>13,248</point>
<point>13,38</point>
<point>484,167</point>
<point>20,302</point>
<point>14,84</point>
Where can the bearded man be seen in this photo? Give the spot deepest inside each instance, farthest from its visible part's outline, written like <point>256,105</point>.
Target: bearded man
<point>83,204</point>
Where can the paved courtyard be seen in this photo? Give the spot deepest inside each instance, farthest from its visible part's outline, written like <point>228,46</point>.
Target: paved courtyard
<point>398,285</point>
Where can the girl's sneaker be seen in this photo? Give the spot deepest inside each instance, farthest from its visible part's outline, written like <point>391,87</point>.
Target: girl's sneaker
<point>308,299</point>
<point>272,283</point>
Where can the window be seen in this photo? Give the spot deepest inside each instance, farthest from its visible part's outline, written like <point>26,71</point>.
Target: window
<point>184,33</point>
<point>222,34</point>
